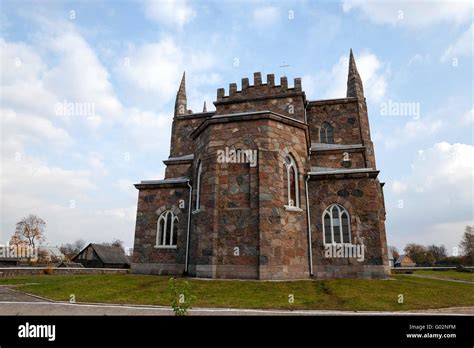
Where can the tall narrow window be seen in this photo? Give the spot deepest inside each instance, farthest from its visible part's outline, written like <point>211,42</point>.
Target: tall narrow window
<point>167,230</point>
<point>326,133</point>
<point>292,192</point>
<point>336,225</point>
<point>198,186</point>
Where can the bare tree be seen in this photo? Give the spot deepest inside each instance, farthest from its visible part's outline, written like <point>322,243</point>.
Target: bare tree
<point>437,252</point>
<point>395,252</point>
<point>116,243</point>
<point>72,249</point>
<point>467,244</point>
<point>419,254</point>
<point>29,231</point>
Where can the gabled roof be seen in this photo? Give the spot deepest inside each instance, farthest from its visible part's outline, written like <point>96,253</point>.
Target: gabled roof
<point>71,265</point>
<point>400,259</point>
<point>108,254</point>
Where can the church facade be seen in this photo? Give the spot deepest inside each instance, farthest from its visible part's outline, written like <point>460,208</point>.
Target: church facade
<point>270,185</point>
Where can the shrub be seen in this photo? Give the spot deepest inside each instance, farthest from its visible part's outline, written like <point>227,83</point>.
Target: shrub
<point>48,270</point>
<point>180,297</point>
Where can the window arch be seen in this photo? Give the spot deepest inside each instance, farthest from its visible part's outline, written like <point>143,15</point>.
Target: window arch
<point>167,230</point>
<point>326,133</point>
<point>291,184</point>
<point>336,225</point>
<point>198,187</point>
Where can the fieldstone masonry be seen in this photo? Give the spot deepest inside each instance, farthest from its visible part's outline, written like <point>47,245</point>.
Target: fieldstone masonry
<point>235,220</point>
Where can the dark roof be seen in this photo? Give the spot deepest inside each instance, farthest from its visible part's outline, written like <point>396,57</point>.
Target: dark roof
<point>71,265</point>
<point>108,254</point>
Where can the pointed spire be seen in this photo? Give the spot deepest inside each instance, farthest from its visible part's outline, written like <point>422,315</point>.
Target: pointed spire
<point>204,108</point>
<point>180,106</point>
<point>354,82</point>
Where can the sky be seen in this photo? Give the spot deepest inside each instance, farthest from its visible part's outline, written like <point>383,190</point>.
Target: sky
<point>88,88</point>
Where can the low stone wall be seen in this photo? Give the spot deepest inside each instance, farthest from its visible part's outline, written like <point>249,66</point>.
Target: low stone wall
<point>28,271</point>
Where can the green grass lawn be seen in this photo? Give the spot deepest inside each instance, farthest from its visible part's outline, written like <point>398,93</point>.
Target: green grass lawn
<point>469,276</point>
<point>338,294</point>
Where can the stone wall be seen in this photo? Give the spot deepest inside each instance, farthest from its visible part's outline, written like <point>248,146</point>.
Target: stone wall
<point>178,170</point>
<point>243,206</point>
<point>183,126</point>
<point>342,114</point>
<point>334,159</point>
<point>361,197</point>
<point>151,203</point>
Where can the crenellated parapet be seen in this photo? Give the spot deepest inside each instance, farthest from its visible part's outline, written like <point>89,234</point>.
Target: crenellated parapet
<point>259,89</point>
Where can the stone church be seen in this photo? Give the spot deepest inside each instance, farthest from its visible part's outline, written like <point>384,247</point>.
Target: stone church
<point>270,185</point>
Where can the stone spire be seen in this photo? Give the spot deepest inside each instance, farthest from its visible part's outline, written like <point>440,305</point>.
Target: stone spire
<point>354,82</point>
<point>180,106</point>
<point>204,108</point>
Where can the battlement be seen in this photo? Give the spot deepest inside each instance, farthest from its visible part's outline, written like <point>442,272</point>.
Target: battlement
<point>259,89</point>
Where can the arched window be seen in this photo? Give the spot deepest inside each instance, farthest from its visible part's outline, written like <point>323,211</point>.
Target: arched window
<point>198,187</point>
<point>336,225</point>
<point>292,192</point>
<point>167,228</point>
<point>326,133</point>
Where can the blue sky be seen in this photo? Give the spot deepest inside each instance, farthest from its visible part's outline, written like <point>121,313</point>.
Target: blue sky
<point>126,59</point>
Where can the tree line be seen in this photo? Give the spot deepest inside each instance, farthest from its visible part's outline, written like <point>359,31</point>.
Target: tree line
<point>437,255</point>
<point>31,232</point>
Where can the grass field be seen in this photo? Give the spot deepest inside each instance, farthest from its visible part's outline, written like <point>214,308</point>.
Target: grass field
<point>336,294</point>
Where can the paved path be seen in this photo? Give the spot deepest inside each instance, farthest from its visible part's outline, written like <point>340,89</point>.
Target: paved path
<point>7,294</point>
<point>13,302</point>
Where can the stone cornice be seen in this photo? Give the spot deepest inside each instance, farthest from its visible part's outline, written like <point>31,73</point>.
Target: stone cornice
<point>356,173</point>
<point>251,116</point>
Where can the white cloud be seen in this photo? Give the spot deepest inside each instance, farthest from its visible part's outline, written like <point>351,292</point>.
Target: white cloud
<point>265,16</point>
<point>154,68</point>
<point>414,14</point>
<point>157,68</point>
<point>169,12</point>
<point>80,78</point>
<point>419,59</point>
<point>412,130</point>
<point>20,129</point>
<point>436,195</point>
<point>151,131</point>
<point>34,178</point>
<point>467,118</point>
<point>19,62</point>
<point>398,186</point>
<point>333,83</point>
<point>462,46</point>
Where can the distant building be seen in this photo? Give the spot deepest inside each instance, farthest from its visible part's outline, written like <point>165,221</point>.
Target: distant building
<point>9,261</point>
<point>70,265</point>
<point>404,261</point>
<point>102,256</point>
<point>51,253</point>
